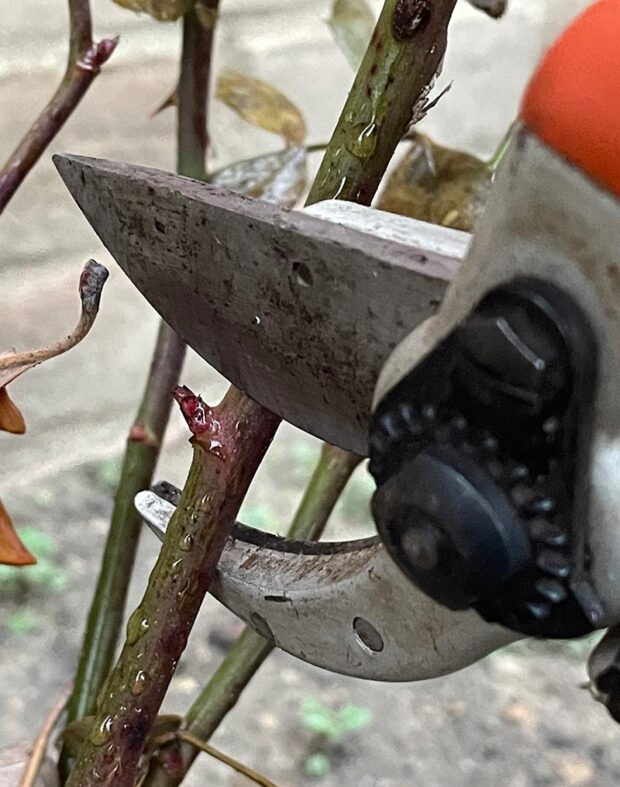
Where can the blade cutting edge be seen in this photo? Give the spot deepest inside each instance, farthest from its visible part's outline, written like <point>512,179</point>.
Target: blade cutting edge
<point>298,312</point>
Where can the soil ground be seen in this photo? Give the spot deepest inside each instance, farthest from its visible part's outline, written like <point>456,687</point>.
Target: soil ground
<point>518,718</point>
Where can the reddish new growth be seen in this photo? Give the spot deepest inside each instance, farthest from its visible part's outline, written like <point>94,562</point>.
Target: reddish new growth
<point>97,55</point>
<point>199,416</point>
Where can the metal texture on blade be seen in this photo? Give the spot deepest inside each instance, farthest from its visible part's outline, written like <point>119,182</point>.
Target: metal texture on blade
<point>343,606</point>
<point>298,312</point>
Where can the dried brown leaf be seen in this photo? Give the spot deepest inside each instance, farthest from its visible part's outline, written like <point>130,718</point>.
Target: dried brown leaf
<point>277,177</point>
<point>262,105</point>
<point>11,419</point>
<point>438,185</point>
<point>12,551</point>
<point>163,10</point>
<point>92,279</point>
<point>352,23</point>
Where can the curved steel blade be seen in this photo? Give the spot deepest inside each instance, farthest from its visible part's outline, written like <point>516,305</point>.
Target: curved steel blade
<point>298,312</point>
<point>342,606</point>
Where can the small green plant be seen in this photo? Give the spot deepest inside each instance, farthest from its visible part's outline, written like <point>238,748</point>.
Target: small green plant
<point>109,472</point>
<point>259,516</point>
<point>45,575</point>
<point>330,728</point>
<point>22,622</point>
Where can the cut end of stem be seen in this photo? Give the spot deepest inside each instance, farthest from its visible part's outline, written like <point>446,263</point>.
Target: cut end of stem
<point>198,415</point>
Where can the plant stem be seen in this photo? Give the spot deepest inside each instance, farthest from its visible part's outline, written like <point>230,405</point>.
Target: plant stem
<point>405,51</point>
<point>401,61</point>
<point>249,773</point>
<point>250,650</point>
<point>229,444</point>
<point>146,435</point>
<point>395,73</point>
<point>86,58</point>
<point>143,445</point>
<point>193,95</point>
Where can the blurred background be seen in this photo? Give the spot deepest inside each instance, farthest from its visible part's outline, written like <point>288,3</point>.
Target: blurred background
<point>519,717</point>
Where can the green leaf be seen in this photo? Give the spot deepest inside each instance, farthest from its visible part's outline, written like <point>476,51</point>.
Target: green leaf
<point>22,622</point>
<point>277,177</point>
<point>354,717</point>
<point>261,105</point>
<point>317,765</point>
<point>44,575</point>
<point>109,472</point>
<point>351,23</point>
<point>320,719</point>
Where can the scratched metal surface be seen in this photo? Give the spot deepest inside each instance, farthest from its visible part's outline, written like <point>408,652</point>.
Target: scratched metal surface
<point>342,606</point>
<point>298,312</point>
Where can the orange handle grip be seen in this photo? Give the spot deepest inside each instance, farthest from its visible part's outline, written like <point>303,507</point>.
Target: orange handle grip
<point>573,101</point>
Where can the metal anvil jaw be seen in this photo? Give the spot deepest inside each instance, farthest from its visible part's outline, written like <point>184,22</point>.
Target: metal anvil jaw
<point>341,606</point>
<point>548,229</point>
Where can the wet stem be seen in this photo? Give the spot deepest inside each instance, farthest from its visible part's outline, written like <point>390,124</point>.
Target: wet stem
<point>392,79</point>
<point>146,435</point>
<point>401,61</point>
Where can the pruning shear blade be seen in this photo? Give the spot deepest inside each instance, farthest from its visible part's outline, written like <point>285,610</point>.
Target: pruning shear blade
<point>298,311</point>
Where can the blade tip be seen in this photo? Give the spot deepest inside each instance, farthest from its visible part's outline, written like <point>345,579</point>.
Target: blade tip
<point>68,166</point>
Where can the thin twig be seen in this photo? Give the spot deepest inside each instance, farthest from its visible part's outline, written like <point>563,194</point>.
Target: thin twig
<point>41,742</point>
<point>146,434</point>
<point>92,280</point>
<point>86,57</point>
<point>196,743</point>
<point>249,652</point>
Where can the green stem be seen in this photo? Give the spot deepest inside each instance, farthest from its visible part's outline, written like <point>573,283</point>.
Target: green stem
<point>106,614</point>
<point>108,607</point>
<point>404,54</point>
<point>226,456</point>
<point>394,75</point>
<point>250,650</point>
<point>496,159</point>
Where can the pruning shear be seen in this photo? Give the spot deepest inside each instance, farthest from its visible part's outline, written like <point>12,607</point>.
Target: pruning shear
<point>480,375</point>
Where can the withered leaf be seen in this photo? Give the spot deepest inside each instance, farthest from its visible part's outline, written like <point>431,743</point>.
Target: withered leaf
<point>92,279</point>
<point>11,419</point>
<point>262,105</point>
<point>163,10</point>
<point>277,177</point>
<point>352,23</point>
<point>438,185</point>
<point>12,551</point>
<point>494,8</point>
